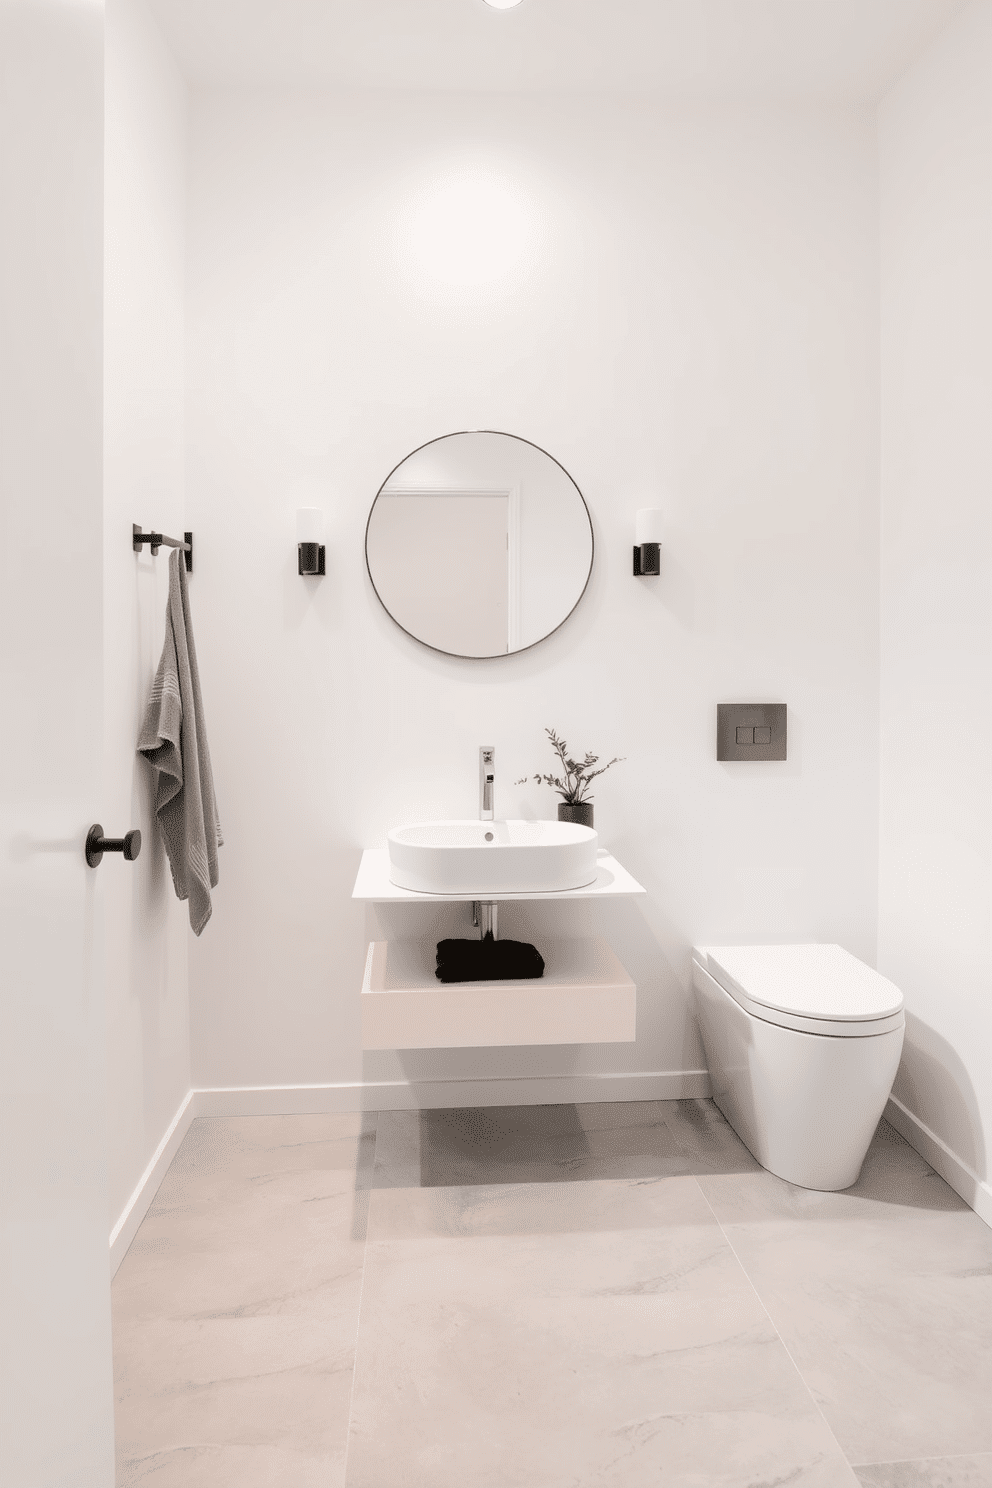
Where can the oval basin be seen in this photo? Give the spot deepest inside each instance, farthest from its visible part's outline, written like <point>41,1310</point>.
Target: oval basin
<point>489,858</point>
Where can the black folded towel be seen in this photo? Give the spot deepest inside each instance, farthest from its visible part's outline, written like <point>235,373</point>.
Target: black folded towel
<point>487,960</point>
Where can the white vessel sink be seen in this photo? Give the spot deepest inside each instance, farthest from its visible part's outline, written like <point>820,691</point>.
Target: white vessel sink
<point>489,858</point>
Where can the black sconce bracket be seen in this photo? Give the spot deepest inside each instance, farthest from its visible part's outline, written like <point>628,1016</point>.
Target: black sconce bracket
<point>647,560</point>
<point>311,559</point>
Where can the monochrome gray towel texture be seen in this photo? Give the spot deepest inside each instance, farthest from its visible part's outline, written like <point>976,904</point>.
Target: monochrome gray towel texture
<point>173,739</point>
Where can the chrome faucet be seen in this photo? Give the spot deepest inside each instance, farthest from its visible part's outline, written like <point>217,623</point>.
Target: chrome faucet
<point>487,777</point>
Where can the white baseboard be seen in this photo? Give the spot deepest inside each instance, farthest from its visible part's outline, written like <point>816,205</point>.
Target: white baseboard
<point>137,1205</point>
<point>391,1095</point>
<point>421,1095</point>
<point>964,1181</point>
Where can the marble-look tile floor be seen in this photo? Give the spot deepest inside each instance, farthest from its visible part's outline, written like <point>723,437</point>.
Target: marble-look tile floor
<point>547,1297</point>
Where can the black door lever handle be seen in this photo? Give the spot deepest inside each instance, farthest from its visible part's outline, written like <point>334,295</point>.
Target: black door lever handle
<point>97,845</point>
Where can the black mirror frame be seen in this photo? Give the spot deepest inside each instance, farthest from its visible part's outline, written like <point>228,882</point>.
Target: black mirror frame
<point>496,655</point>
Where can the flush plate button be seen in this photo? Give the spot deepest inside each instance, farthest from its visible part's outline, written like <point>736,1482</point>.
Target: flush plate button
<point>751,731</point>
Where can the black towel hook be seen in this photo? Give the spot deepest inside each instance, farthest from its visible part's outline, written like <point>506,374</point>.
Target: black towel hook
<point>157,540</point>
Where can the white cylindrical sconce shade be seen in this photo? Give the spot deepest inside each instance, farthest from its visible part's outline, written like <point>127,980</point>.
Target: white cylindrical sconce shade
<point>648,528</point>
<point>310,541</point>
<point>309,524</point>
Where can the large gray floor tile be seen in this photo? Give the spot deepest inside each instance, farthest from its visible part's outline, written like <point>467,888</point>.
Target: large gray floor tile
<point>883,1295</point>
<point>236,1308</point>
<point>933,1472</point>
<point>553,1334</point>
<point>549,1301</point>
<point>526,1144</point>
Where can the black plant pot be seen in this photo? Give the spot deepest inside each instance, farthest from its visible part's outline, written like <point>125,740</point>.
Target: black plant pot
<point>578,811</point>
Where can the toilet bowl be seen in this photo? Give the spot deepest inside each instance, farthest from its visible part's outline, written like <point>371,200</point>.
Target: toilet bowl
<point>802,1044</point>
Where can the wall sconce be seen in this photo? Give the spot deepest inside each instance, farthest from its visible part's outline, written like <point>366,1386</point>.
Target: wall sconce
<point>647,551</point>
<point>309,532</point>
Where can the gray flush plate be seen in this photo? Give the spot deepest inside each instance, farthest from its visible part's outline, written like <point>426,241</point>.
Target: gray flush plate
<point>750,731</point>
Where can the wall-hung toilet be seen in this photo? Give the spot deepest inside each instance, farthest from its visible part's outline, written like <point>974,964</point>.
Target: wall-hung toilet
<point>802,1044</point>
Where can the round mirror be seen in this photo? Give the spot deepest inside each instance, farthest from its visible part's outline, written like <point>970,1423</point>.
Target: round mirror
<point>479,544</point>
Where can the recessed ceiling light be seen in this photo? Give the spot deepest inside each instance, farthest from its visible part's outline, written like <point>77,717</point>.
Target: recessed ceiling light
<point>502,4</point>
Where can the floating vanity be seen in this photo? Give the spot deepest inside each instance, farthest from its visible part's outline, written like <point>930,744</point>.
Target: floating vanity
<point>585,995</point>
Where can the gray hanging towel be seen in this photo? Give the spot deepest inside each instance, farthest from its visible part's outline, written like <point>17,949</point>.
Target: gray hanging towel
<point>174,741</point>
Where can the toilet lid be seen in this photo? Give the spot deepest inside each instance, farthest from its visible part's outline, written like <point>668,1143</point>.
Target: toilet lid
<point>809,981</point>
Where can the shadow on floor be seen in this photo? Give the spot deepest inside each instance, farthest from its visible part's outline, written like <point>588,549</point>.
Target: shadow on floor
<point>542,1144</point>
<point>492,1145</point>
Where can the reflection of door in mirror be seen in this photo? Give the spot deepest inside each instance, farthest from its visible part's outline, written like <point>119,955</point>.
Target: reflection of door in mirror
<point>445,572</point>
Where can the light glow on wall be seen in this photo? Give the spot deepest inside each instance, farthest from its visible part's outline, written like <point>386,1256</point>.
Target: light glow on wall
<point>466,229</point>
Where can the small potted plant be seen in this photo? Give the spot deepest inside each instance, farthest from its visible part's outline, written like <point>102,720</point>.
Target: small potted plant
<point>573,785</point>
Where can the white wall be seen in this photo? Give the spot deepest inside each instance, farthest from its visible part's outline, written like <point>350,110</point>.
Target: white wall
<point>56,1395</point>
<point>147,931</point>
<point>936,814</point>
<point>683,312</point>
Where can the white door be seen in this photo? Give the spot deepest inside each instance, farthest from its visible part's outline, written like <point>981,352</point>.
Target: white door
<point>56,1392</point>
